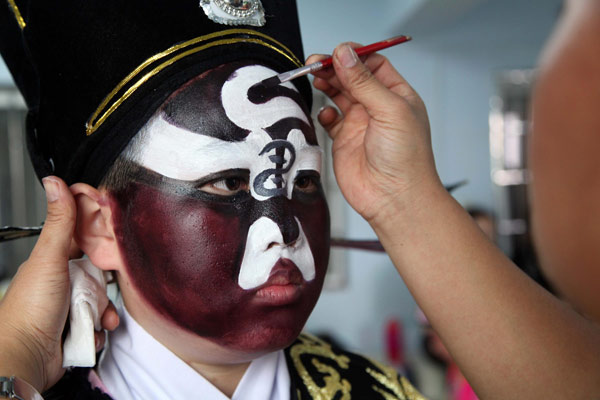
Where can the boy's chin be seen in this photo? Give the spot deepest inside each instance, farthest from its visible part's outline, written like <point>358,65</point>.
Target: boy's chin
<point>239,348</point>
<point>236,346</point>
<point>260,340</point>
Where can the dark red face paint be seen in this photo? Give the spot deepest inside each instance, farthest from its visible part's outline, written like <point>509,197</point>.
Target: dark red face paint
<point>183,255</point>
<point>183,247</point>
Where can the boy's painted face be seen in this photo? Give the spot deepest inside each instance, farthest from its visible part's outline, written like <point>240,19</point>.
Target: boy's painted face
<point>224,227</point>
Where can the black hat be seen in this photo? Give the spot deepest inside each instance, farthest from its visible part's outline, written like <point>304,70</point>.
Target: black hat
<point>92,72</point>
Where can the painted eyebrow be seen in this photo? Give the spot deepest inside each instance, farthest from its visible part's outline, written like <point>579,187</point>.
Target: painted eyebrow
<point>307,172</point>
<point>228,173</point>
<point>179,187</point>
<point>224,174</point>
<point>146,175</point>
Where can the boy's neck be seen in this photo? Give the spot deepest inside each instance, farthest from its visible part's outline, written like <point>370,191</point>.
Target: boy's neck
<point>222,368</point>
<point>225,377</point>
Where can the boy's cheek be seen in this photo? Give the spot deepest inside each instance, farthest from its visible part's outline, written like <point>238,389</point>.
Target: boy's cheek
<point>183,259</point>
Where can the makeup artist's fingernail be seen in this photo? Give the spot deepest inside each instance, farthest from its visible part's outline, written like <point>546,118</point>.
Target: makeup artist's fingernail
<point>347,56</point>
<point>52,189</point>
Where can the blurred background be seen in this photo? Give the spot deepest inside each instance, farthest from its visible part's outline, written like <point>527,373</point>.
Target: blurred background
<point>473,62</point>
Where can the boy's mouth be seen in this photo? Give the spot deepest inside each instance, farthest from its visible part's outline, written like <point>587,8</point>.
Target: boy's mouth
<point>283,286</point>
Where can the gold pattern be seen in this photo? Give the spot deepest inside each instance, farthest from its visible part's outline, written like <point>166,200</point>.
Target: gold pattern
<point>310,345</point>
<point>400,387</point>
<point>18,17</point>
<point>96,119</point>
<point>386,395</point>
<point>333,381</point>
<point>411,392</point>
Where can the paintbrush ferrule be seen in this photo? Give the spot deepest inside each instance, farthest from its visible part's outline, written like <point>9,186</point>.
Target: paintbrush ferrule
<point>296,73</point>
<point>314,67</point>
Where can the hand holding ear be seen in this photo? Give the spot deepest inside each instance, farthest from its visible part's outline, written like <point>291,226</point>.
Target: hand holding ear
<point>35,307</point>
<point>381,141</point>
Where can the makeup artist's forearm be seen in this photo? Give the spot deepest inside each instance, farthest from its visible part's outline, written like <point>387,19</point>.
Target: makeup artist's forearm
<point>507,334</point>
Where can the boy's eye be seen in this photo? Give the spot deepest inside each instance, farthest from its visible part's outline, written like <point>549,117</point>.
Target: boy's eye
<point>307,182</point>
<point>231,184</point>
<point>227,185</point>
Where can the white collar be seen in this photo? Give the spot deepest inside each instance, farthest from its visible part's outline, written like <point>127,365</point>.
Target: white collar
<point>135,366</point>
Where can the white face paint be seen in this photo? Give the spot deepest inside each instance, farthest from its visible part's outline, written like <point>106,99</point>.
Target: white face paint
<point>184,155</point>
<point>260,256</point>
<point>180,154</point>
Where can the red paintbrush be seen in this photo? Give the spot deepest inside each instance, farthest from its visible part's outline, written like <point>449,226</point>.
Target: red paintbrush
<point>319,65</point>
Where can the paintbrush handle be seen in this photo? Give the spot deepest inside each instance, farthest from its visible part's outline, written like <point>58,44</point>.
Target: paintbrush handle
<point>319,65</point>
<point>371,48</point>
<point>13,232</point>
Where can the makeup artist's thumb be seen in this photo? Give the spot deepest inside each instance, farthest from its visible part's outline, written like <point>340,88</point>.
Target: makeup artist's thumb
<point>358,79</point>
<point>52,247</point>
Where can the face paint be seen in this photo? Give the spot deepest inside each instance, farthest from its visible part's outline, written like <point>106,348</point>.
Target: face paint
<point>224,226</point>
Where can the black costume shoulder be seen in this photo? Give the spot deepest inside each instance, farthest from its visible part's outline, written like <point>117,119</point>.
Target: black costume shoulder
<point>321,371</point>
<point>318,371</point>
<point>75,385</point>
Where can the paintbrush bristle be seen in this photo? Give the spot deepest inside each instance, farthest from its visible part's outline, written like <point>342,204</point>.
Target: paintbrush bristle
<point>269,82</point>
<point>258,92</point>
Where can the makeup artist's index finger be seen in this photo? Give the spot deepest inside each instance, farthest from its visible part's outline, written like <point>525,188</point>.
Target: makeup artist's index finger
<point>313,58</point>
<point>328,73</point>
<point>325,72</point>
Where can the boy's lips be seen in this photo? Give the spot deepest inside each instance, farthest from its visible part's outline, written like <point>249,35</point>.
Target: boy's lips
<point>283,286</point>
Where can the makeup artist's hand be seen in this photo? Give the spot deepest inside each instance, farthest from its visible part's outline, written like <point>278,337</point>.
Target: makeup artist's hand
<point>381,141</point>
<point>34,310</point>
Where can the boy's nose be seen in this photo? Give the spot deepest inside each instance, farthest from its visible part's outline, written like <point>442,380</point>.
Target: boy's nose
<point>279,210</point>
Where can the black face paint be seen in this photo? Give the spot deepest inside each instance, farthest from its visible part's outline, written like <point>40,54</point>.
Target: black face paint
<point>280,146</point>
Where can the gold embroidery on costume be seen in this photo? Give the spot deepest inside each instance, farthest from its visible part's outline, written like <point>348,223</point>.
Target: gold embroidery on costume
<point>409,389</point>
<point>386,395</point>
<point>193,46</point>
<point>334,384</point>
<point>399,387</point>
<point>18,17</point>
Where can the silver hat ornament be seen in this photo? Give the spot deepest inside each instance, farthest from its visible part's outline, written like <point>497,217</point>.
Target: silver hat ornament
<point>234,12</point>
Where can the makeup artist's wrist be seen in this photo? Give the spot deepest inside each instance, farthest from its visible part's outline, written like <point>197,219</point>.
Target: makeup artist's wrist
<point>399,211</point>
<point>19,359</point>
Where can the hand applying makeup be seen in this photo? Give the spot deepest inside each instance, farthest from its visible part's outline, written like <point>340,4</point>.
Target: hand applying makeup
<point>469,290</point>
<point>34,310</point>
<point>381,141</point>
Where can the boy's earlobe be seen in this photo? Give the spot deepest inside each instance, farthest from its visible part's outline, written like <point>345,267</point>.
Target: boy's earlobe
<point>94,232</point>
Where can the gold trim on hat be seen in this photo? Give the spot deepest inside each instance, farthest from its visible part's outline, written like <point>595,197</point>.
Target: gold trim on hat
<point>18,17</point>
<point>104,110</point>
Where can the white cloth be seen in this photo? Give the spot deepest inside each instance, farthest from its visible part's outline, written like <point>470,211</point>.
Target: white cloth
<point>135,366</point>
<point>88,301</point>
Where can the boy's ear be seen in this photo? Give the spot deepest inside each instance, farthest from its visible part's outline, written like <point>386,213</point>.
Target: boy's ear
<point>94,232</point>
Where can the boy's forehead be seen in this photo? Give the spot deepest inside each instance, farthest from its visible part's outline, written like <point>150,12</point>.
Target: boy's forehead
<point>211,125</point>
<point>219,103</point>
<point>196,106</point>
